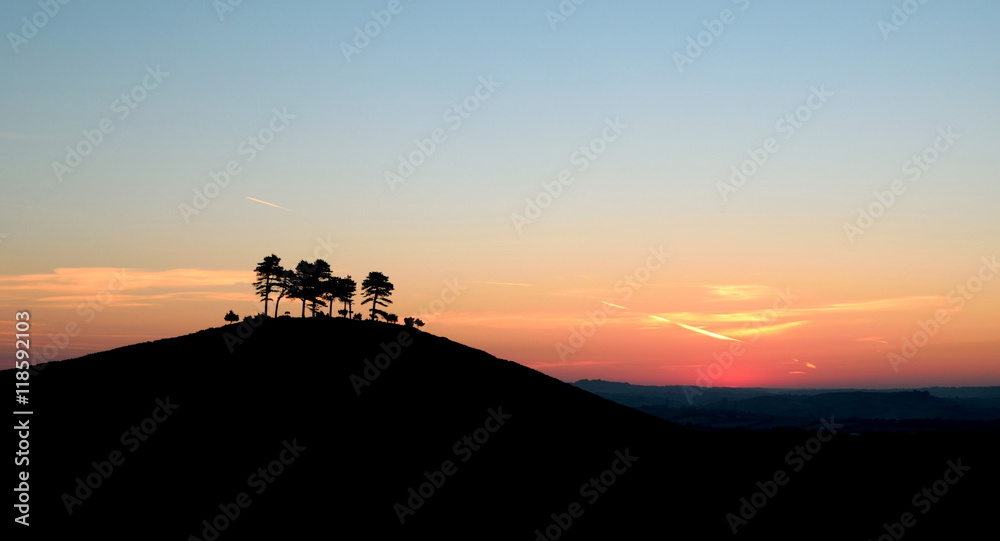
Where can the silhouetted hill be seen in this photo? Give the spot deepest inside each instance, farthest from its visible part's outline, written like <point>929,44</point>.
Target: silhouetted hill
<point>277,429</point>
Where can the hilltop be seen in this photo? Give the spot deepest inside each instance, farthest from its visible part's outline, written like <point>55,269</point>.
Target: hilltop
<point>335,427</point>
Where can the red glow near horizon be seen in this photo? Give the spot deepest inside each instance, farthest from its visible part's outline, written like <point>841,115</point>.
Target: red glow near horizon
<point>712,335</point>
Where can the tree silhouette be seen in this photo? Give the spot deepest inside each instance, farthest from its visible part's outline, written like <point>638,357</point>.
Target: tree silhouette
<point>232,317</point>
<point>329,292</point>
<point>308,282</point>
<point>410,322</point>
<point>283,285</point>
<point>299,288</point>
<point>337,288</point>
<point>313,284</point>
<point>268,273</point>
<point>346,296</point>
<point>376,289</point>
<point>318,283</point>
<point>295,281</point>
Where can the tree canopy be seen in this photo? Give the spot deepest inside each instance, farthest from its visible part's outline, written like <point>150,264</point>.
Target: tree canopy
<point>309,282</point>
<point>314,285</point>
<point>376,289</point>
<point>268,277</point>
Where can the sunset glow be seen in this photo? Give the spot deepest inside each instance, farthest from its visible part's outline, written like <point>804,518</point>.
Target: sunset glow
<point>567,195</point>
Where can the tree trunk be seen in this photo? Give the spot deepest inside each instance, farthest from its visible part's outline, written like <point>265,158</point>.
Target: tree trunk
<point>267,293</point>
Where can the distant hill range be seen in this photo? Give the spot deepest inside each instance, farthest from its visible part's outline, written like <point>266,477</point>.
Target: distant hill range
<point>967,408</point>
<point>326,428</point>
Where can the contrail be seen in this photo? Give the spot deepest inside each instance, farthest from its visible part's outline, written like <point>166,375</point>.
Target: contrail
<point>706,333</point>
<point>690,328</point>
<point>271,204</point>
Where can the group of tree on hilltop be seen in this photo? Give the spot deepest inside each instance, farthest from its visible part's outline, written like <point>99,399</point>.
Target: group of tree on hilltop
<point>315,286</point>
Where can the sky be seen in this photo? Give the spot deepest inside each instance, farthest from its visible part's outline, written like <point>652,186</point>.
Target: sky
<point>724,192</point>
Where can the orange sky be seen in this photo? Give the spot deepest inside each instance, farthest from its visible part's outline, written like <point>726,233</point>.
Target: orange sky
<point>548,169</point>
<point>646,327</point>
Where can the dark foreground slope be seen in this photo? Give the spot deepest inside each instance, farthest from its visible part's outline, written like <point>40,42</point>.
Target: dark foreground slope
<point>497,450</point>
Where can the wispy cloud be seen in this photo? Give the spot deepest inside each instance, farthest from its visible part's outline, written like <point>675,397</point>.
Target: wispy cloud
<point>571,363</point>
<point>132,287</point>
<point>153,299</point>
<point>876,305</point>
<point>509,320</point>
<point>733,322</point>
<point>764,329</point>
<point>740,292</point>
<point>807,365</point>
<point>270,204</point>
